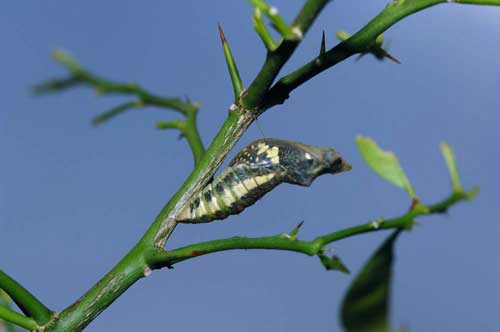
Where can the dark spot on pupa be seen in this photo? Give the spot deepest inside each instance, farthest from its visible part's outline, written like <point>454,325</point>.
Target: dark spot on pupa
<point>219,188</point>
<point>197,202</point>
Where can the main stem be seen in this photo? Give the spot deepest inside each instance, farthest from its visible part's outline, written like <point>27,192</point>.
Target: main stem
<point>134,266</point>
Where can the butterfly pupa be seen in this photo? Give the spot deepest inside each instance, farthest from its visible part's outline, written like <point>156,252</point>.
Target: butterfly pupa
<point>254,171</point>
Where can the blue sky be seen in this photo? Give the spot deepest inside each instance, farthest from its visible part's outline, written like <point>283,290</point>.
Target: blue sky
<point>74,199</point>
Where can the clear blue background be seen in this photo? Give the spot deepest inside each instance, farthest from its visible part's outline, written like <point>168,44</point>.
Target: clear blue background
<point>74,199</point>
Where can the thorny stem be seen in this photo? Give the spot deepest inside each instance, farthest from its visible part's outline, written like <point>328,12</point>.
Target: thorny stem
<point>26,301</point>
<point>289,243</point>
<point>277,58</point>
<point>135,264</point>
<point>358,43</point>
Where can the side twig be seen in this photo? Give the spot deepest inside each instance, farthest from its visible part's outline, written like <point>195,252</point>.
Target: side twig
<point>361,42</point>
<point>287,242</point>
<point>277,56</point>
<point>189,130</point>
<point>80,76</point>
<point>17,319</point>
<point>26,301</point>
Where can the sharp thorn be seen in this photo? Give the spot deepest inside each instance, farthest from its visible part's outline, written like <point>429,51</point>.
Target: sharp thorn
<point>231,65</point>
<point>300,224</point>
<point>390,57</point>
<point>296,230</point>
<point>322,50</point>
<point>221,34</point>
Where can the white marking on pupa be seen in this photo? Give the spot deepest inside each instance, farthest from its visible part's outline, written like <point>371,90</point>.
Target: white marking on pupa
<point>201,208</point>
<point>250,184</point>
<point>308,156</point>
<point>233,107</point>
<point>262,148</point>
<point>273,155</point>
<point>273,152</point>
<point>213,205</point>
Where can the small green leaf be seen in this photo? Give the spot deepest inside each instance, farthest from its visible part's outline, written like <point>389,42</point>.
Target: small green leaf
<point>471,194</point>
<point>384,163</point>
<point>115,111</point>
<point>451,163</point>
<point>55,85</point>
<point>67,60</point>
<point>365,307</point>
<point>333,263</point>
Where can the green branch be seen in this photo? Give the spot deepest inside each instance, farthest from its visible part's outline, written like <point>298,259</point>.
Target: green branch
<point>360,42</point>
<point>278,56</point>
<point>82,77</point>
<point>189,130</point>
<point>17,319</point>
<point>26,301</point>
<point>288,242</point>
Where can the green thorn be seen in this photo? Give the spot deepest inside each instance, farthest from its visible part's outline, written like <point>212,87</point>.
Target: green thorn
<point>295,231</point>
<point>231,65</point>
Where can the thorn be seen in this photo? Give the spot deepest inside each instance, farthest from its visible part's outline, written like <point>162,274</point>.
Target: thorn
<point>414,203</point>
<point>231,65</point>
<point>299,225</point>
<point>360,55</point>
<point>322,50</point>
<point>295,231</point>
<point>390,57</point>
<point>221,34</point>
